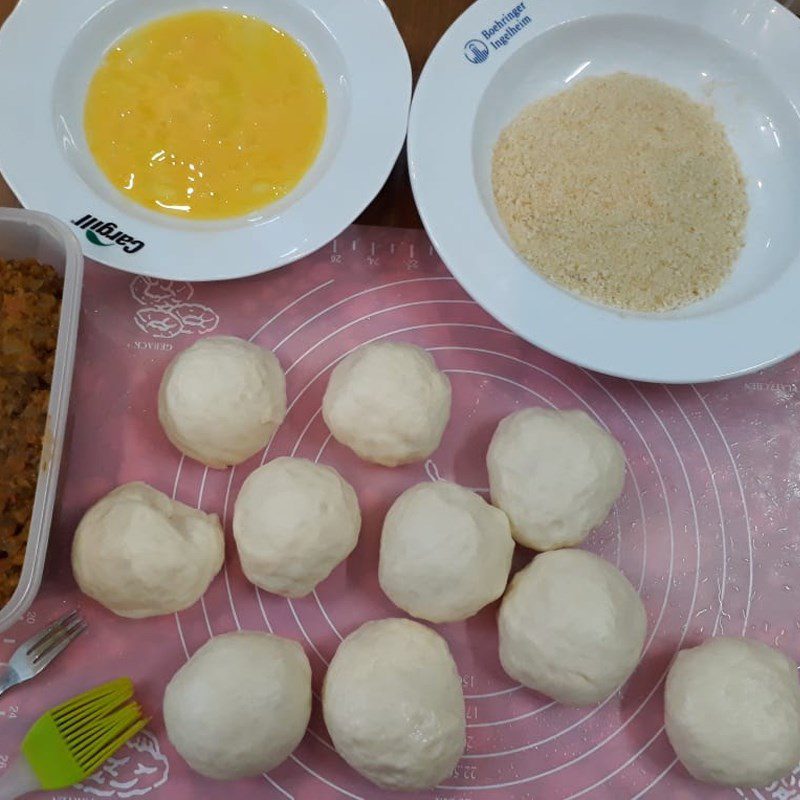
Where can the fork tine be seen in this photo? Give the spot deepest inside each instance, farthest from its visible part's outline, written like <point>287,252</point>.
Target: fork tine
<point>52,631</point>
<point>55,638</point>
<point>58,645</point>
<point>38,638</point>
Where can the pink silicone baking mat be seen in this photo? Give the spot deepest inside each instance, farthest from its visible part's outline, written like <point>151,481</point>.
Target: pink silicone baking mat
<point>707,528</point>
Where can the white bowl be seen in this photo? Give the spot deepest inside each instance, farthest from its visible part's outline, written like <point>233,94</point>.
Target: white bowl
<point>742,58</point>
<point>48,53</point>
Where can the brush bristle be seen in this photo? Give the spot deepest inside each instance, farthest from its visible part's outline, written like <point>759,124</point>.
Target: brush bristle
<point>70,742</point>
<point>100,741</point>
<point>89,703</point>
<point>96,723</point>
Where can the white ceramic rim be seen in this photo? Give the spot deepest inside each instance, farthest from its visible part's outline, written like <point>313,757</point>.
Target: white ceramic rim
<point>33,42</point>
<point>754,334</point>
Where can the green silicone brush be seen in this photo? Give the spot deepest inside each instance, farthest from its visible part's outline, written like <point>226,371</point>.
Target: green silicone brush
<point>70,742</point>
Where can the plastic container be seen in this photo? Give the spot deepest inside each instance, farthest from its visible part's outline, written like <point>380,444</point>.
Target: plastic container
<point>31,234</point>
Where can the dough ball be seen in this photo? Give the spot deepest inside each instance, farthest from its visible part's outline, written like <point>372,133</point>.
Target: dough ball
<point>221,400</point>
<point>393,705</point>
<point>732,710</point>
<point>572,627</point>
<point>141,554</point>
<point>240,705</point>
<point>555,473</point>
<point>294,521</point>
<point>388,402</point>
<point>445,552</point>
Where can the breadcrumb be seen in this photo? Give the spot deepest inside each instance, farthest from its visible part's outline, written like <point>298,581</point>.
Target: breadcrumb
<point>30,302</point>
<point>623,190</point>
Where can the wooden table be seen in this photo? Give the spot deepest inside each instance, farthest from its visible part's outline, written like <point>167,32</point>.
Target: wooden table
<point>421,23</point>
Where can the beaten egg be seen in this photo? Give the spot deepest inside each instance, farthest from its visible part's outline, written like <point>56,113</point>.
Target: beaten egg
<point>206,115</point>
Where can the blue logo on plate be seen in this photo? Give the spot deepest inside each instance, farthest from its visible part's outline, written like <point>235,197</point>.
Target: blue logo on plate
<point>476,51</point>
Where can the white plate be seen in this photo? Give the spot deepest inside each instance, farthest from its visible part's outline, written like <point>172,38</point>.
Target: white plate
<point>48,53</point>
<point>743,58</point>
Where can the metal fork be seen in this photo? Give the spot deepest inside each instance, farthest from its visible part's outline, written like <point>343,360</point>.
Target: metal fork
<point>31,657</point>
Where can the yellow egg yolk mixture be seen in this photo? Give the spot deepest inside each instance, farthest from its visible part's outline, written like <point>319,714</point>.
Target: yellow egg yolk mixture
<point>206,115</point>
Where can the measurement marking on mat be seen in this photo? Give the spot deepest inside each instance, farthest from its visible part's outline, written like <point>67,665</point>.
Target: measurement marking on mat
<point>411,251</point>
<point>391,248</point>
<point>372,259</point>
<point>9,641</point>
<point>465,772</point>
<point>354,244</point>
<point>335,246</point>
